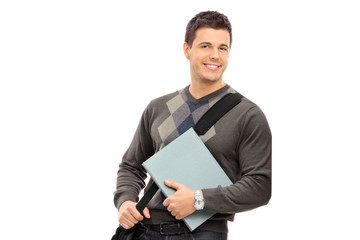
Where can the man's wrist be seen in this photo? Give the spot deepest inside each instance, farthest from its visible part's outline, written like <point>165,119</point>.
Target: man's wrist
<point>199,202</point>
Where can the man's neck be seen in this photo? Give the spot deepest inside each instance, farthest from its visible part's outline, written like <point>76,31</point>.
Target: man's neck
<point>199,90</point>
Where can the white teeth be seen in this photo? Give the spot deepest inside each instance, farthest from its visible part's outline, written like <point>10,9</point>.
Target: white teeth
<point>212,66</point>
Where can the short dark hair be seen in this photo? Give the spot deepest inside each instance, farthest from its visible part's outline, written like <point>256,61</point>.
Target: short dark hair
<point>212,19</point>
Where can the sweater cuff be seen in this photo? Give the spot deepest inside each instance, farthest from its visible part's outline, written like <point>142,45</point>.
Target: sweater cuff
<point>211,198</point>
<point>125,196</point>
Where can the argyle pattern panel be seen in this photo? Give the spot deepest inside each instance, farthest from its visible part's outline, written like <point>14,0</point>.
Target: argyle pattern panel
<point>183,115</point>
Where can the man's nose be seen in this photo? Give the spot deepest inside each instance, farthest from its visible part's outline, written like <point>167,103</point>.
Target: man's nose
<point>214,54</point>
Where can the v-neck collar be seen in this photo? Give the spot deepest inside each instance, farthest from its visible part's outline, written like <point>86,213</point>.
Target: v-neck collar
<point>207,97</point>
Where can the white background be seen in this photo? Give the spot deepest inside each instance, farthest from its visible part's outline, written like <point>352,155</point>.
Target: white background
<point>76,76</point>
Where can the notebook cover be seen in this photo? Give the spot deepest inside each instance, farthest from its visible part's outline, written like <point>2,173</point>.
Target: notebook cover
<point>186,160</point>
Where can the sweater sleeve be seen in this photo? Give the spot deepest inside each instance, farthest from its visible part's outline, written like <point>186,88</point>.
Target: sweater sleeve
<point>253,187</point>
<point>131,175</point>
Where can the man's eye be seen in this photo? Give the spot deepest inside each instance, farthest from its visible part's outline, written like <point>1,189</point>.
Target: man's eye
<point>205,46</point>
<point>223,49</point>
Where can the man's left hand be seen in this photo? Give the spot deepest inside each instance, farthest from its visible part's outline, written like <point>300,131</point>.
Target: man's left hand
<point>181,203</point>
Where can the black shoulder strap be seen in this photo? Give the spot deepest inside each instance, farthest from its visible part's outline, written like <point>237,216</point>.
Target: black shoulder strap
<point>140,206</point>
<point>219,109</point>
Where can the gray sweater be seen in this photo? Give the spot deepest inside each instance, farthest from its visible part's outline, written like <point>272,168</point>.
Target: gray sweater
<point>240,141</point>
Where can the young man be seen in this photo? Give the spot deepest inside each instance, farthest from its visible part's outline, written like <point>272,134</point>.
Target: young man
<point>240,141</point>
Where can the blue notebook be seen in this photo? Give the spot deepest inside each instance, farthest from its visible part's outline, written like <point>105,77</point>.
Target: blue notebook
<point>186,160</point>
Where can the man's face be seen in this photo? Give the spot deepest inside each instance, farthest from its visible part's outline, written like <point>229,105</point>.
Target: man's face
<point>209,54</point>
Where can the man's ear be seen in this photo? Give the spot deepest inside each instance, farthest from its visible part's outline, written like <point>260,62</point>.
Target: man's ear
<point>186,50</point>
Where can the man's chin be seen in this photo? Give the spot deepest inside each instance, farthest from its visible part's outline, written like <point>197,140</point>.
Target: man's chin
<point>212,79</point>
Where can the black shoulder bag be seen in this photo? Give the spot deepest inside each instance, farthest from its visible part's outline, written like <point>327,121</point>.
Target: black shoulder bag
<point>219,109</point>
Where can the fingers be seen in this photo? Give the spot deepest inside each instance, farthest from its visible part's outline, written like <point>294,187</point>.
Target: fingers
<point>128,215</point>
<point>173,184</point>
<point>128,221</point>
<point>146,213</point>
<point>181,203</point>
<point>127,225</point>
<point>172,209</point>
<point>166,202</point>
<point>177,214</point>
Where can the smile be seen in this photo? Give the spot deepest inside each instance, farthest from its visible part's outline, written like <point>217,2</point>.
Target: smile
<point>212,67</point>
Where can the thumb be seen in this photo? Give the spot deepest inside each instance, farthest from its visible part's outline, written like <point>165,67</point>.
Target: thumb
<point>146,212</point>
<point>172,184</point>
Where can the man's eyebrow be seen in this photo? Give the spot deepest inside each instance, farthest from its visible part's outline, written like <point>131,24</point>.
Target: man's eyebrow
<point>205,43</point>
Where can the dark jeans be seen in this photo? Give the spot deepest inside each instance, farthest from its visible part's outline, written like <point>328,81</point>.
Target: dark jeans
<point>153,235</point>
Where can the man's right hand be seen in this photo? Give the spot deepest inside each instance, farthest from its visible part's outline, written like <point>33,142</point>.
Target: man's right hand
<point>129,215</point>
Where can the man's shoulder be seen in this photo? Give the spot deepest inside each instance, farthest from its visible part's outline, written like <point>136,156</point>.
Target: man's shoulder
<point>246,103</point>
<point>247,106</point>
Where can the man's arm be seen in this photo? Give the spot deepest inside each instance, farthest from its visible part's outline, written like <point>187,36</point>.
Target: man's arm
<point>131,175</point>
<point>253,188</point>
